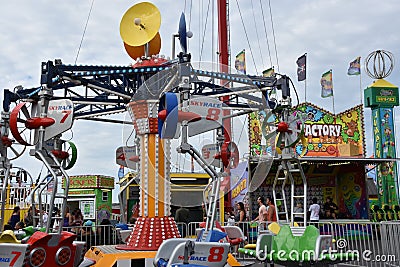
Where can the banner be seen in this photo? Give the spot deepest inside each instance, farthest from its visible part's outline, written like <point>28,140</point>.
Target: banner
<point>269,72</point>
<point>332,135</point>
<point>354,68</point>
<point>301,68</point>
<point>240,62</point>
<point>326,84</point>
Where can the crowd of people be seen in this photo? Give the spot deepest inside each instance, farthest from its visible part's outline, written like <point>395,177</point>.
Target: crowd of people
<point>267,213</point>
<point>74,222</point>
<point>330,210</point>
<point>70,219</point>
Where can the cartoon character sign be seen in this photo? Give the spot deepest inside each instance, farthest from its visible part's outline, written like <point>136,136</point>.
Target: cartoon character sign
<point>258,145</point>
<point>384,143</point>
<point>352,196</point>
<point>330,135</point>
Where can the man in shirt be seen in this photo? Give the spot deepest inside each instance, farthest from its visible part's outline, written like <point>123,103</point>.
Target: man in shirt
<point>330,209</point>
<point>314,210</point>
<point>182,215</point>
<point>271,211</point>
<point>262,213</point>
<point>182,218</point>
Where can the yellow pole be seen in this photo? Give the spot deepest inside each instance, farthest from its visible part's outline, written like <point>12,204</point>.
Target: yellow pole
<point>154,224</point>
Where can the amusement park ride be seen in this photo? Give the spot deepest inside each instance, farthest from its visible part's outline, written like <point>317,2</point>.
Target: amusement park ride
<point>166,100</point>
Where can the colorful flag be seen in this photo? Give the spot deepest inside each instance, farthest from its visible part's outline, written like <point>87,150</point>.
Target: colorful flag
<point>301,67</point>
<point>269,72</point>
<point>354,68</point>
<point>240,62</point>
<point>121,172</point>
<point>326,84</point>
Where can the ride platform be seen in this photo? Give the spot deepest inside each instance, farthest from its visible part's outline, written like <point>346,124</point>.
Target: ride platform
<point>109,255</point>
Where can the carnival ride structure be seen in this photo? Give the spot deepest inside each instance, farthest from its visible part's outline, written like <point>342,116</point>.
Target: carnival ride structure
<point>189,104</point>
<point>40,126</point>
<point>40,117</point>
<point>166,100</point>
<point>382,97</point>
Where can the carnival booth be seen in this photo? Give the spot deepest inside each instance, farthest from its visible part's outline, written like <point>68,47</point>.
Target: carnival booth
<point>92,194</point>
<point>186,190</point>
<point>332,155</point>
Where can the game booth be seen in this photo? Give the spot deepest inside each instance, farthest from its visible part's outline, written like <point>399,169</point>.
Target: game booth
<point>332,155</point>
<point>92,194</point>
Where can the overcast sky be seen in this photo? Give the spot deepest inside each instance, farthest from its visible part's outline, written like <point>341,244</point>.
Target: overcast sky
<point>331,32</point>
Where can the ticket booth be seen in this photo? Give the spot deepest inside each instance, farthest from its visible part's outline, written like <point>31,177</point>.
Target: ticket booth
<point>92,194</point>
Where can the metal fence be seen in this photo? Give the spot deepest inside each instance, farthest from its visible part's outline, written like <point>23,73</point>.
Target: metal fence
<point>371,243</point>
<point>97,235</point>
<point>390,237</point>
<point>374,243</point>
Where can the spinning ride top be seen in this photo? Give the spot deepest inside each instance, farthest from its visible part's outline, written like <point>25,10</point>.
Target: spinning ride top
<point>139,26</point>
<point>139,30</point>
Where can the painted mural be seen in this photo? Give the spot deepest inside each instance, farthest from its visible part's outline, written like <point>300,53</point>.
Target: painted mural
<point>327,134</point>
<point>352,195</point>
<point>258,145</point>
<point>330,135</point>
<point>384,142</point>
<point>239,184</point>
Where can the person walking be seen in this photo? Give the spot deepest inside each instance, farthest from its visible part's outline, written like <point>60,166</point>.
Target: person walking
<point>182,219</point>
<point>262,214</point>
<point>240,217</point>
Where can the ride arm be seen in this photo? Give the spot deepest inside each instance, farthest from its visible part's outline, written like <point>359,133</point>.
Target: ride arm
<point>187,148</point>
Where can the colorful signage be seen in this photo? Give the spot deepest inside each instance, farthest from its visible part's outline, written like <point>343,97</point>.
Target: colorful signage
<point>209,153</point>
<point>239,188</point>
<point>384,142</point>
<point>90,181</point>
<point>381,94</point>
<point>330,135</point>
<point>81,192</point>
<point>209,109</point>
<point>386,96</point>
<point>258,145</point>
<point>239,183</point>
<point>61,110</point>
<point>88,209</point>
<point>326,134</point>
<point>106,182</point>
